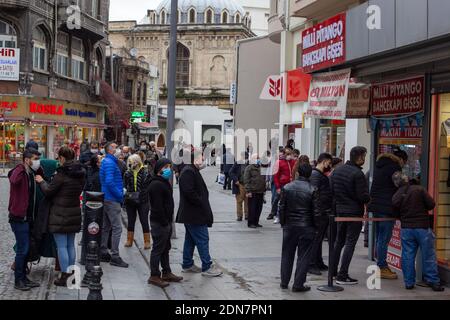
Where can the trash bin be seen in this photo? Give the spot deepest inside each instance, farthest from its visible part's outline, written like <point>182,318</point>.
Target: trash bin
<point>92,221</point>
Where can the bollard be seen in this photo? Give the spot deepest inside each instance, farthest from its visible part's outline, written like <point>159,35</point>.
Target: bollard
<point>91,261</point>
<point>95,286</point>
<point>330,287</point>
<point>92,221</point>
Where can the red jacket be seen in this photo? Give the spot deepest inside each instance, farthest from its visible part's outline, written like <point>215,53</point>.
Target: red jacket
<point>19,192</point>
<point>283,172</point>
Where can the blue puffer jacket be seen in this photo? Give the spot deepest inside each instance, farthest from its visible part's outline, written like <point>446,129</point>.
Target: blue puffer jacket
<point>111,179</point>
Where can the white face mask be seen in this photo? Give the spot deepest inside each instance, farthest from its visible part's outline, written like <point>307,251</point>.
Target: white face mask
<point>94,150</point>
<point>35,165</point>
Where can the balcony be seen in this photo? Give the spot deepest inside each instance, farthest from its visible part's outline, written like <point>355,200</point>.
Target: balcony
<point>135,63</point>
<point>14,3</point>
<point>89,27</point>
<point>320,9</point>
<point>275,29</point>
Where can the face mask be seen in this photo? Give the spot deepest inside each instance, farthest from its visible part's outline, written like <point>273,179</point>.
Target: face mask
<point>94,150</point>
<point>166,173</point>
<point>143,147</point>
<point>35,165</point>
<point>258,162</point>
<point>102,151</point>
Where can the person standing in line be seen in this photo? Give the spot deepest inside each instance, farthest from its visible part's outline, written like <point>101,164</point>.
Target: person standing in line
<point>413,203</point>
<point>160,192</point>
<point>112,186</point>
<point>237,176</point>
<point>381,193</point>
<point>322,183</point>
<point>299,205</point>
<point>195,213</point>
<point>282,176</point>
<point>22,208</point>
<point>228,161</point>
<point>255,187</point>
<point>64,221</point>
<point>351,194</point>
<point>136,199</point>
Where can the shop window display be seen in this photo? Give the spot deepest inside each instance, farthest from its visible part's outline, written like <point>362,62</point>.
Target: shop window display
<point>332,137</point>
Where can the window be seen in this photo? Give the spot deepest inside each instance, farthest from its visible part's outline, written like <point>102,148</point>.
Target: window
<point>129,90</point>
<point>163,17</point>
<point>144,96</point>
<point>209,16</point>
<point>192,16</point>
<point>182,79</point>
<point>8,38</point>
<point>78,61</point>
<point>225,17</point>
<point>95,8</point>
<point>138,97</point>
<point>39,50</point>
<point>61,64</point>
<point>238,18</point>
<point>62,55</point>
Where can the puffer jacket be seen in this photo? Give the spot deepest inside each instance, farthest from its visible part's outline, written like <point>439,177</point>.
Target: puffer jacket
<point>143,180</point>
<point>64,192</point>
<point>322,183</point>
<point>383,188</point>
<point>299,204</point>
<point>254,181</point>
<point>350,190</point>
<point>111,179</point>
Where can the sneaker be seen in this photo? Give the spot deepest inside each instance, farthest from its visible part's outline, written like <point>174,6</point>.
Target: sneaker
<point>193,269</point>
<point>315,271</point>
<point>106,257</point>
<point>387,273</point>
<point>301,289</point>
<point>276,221</point>
<point>346,281</point>
<point>118,262</point>
<point>31,284</point>
<point>212,272</point>
<point>21,285</point>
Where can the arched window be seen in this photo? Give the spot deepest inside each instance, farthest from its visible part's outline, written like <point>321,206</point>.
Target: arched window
<point>224,17</point>
<point>183,55</point>
<point>98,64</point>
<point>78,60</point>
<point>8,37</point>
<point>163,17</point>
<point>209,16</point>
<point>237,18</point>
<point>40,50</point>
<point>192,16</point>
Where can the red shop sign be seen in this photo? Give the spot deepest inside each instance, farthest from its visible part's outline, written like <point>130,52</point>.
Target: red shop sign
<point>324,44</point>
<point>398,97</point>
<point>298,84</point>
<point>46,108</point>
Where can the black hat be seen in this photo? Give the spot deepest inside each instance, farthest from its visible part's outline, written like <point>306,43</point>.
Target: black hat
<point>161,163</point>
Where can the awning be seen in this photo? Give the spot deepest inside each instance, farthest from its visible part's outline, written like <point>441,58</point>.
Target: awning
<point>146,125</point>
<point>59,123</point>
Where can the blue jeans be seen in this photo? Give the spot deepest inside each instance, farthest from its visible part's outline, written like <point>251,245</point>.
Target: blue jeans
<point>413,239</point>
<point>65,244</point>
<point>196,236</point>
<point>22,233</point>
<point>383,236</point>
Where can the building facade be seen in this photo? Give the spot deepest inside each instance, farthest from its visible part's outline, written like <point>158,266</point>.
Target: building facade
<point>259,12</point>
<point>55,54</point>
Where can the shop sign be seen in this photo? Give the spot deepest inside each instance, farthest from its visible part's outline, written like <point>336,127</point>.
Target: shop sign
<point>328,95</point>
<point>9,64</point>
<point>394,260</point>
<point>396,242</point>
<point>298,84</point>
<point>401,131</point>
<point>324,44</point>
<point>273,88</point>
<point>398,97</point>
<point>46,108</point>
<point>233,92</point>
<point>358,103</point>
<point>136,114</point>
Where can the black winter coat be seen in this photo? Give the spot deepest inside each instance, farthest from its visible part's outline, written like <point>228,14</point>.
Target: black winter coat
<point>93,179</point>
<point>160,193</point>
<point>383,188</point>
<point>142,183</point>
<point>194,205</point>
<point>322,183</point>
<point>64,191</point>
<point>350,190</point>
<point>299,204</point>
<point>237,175</point>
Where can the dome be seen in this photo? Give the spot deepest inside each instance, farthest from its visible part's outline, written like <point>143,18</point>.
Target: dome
<point>232,6</point>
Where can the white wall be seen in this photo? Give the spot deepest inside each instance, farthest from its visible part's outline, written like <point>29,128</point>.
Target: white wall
<point>356,135</point>
<point>258,10</point>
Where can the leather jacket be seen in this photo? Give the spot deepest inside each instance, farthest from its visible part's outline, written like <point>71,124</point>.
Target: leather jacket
<point>299,204</point>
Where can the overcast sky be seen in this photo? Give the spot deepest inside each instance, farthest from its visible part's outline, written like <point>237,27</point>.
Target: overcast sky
<point>130,9</point>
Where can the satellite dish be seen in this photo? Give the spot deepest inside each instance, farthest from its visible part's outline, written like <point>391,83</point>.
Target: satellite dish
<point>133,52</point>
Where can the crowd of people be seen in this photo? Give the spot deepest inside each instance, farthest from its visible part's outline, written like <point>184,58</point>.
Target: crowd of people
<point>45,212</point>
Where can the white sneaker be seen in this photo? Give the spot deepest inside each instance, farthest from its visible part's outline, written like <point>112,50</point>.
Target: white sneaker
<point>276,221</point>
<point>212,272</point>
<point>193,269</point>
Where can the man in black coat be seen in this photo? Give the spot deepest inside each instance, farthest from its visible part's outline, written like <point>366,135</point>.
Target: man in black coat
<point>161,216</point>
<point>381,193</point>
<point>87,155</point>
<point>237,176</point>
<point>322,183</point>
<point>351,194</point>
<point>195,213</point>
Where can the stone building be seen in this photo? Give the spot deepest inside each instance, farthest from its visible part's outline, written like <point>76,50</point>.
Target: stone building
<point>53,96</point>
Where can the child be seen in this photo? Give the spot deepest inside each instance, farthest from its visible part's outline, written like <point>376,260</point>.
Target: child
<point>413,202</point>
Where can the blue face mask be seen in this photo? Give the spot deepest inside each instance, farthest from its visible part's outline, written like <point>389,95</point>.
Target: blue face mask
<point>166,173</point>
<point>258,162</point>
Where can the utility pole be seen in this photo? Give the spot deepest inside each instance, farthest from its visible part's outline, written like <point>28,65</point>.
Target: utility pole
<point>171,86</point>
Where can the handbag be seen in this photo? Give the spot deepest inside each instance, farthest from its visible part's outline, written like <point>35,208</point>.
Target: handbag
<point>134,198</point>
<point>221,179</point>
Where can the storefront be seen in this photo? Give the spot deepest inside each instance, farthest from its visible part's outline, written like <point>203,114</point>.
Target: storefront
<point>50,123</point>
